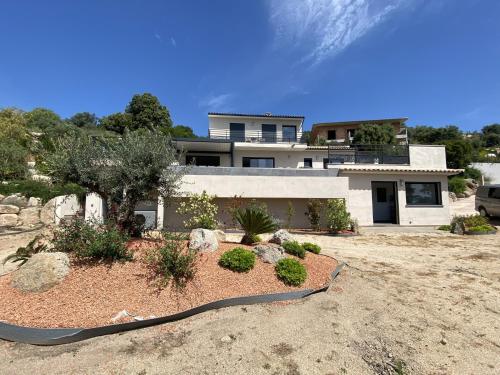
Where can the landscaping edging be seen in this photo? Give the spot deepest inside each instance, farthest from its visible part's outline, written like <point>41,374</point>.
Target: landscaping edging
<point>58,336</point>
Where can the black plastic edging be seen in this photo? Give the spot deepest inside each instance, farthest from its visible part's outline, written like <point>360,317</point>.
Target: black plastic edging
<point>57,336</point>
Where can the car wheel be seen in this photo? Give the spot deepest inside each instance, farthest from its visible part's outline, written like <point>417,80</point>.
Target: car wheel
<point>483,212</point>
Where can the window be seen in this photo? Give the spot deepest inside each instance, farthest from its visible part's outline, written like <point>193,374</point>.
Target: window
<point>423,193</point>
<point>289,133</point>
<point>308,163</point>
<point>351,132</point>
<point>269,133</point>
<point>204,160</point>
<point>237,132</point>
<point>332,134</point>
<point>494,193</point>
<point>258,162</point>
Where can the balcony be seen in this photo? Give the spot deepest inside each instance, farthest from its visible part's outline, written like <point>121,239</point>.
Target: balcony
<point>369,154</point>
<point>256,136</point>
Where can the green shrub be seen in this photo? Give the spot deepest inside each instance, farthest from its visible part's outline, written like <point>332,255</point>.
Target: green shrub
<point>12,160</point>
<point>314,213</point>
<point>291,272</point>
<point>24,253</point>
<point>238,259</point>
<point>456,185</point>
<point>475,221</point>
<point>294,248</point>
<point>173,260</point>
<point>337,217</point>
<point>446,228</point>
<point>254,220</point>
<point>311,247</point>
<point>474,173</point>
<point>41,189</point>
<point>201,209</point>
<point>481,228</point>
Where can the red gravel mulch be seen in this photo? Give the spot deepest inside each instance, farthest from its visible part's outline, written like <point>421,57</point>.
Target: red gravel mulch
<point>92,294</point>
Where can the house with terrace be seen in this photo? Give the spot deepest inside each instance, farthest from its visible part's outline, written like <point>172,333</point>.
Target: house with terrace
<point>265,157</point>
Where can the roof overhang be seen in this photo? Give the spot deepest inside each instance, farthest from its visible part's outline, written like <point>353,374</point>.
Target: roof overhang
<point>203,145</point>
<point>398,170</point>
<point>356,122</point>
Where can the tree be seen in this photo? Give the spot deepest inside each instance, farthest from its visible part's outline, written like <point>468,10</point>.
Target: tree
<point>429,135</point>
<point>491,135</point>
<point>13,126</point>
<point>122,170</point>
<point>82,119</point>
<point>375,135</point>
<point>182,131</point>
<point>42,118</point>
<point>458,153</point>
<point>117,122</point>
<point>147,112</point>
<point>12,160</point>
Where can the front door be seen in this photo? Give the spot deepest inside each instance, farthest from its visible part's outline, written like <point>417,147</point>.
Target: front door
<point>384,202</point>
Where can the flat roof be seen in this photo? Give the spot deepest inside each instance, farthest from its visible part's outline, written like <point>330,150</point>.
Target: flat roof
<point>269,115</point>
<point>352,122</point>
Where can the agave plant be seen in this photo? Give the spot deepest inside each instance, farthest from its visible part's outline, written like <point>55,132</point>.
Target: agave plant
<point>254,221</point>
<point>24,253</point>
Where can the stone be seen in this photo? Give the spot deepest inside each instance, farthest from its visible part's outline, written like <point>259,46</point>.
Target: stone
<point>30,216</point>
<point>281,236</point>
<point>48,212</point>
<point>203,240</point>
<point>8,220</point>
<point>2,197</point>
<point>444,341</point>
<point>16,200</point>
<point>452,196</point>
<point>221,236</point>
<point>226,339</point>
<point>8,209</point>
<point>34,202</point>
<point>459,229</point>
<point>41,272</point>
<point>269,253</point>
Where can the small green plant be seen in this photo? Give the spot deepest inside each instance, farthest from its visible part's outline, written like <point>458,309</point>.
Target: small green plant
<point>73,236</point>
<point>201,209</point>
<point>474,173</point>
<point>173,260</point>
<point>475,221</point>
<point>481,228</point>
<point>254,220</point>
<point>108,243</point>
<point>446,228</point>
<point>294,248</point>
<point>290,213</point>
<point>311,247</point>
<point>24,253</point>
<point>291,272</point>
<point>238,259</point>
<point>337,217</point>
<point>314,213</point>
<point>456,185</point>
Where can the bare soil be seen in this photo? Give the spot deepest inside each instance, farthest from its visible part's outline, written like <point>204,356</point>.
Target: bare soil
<point>92,294</point>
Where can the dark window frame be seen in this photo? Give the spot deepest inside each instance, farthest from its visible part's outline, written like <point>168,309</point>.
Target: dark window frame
<point>190,157</point>
<point>237,136</point>
<point>287,139</point>
<point>267,135</point>
<point>248,158</point>
<point>310,161</point>
<point>438,194</point>
<point>334,131</point>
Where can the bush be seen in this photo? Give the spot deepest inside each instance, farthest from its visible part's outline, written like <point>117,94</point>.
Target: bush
<point>294,248</point>
<point>475,221</point>
<point>173,260</point>
<point>12,160</point>
<point>314,213</point>
<point>238,259</point>
<point>311,247</point>
<point>291,272</point>
<point>481,228</point>
<point>337,217</point>
<point>201,209</point>
<point>456,185</point>
<point>474,173</point>
<point>446,228</point>
<point>41,189</point>
<point>254,220</point>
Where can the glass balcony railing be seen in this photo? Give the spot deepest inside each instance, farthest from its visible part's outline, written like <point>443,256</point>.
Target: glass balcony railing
<point>256,136</point>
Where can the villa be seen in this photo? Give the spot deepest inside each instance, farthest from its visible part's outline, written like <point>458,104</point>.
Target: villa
<point>266,158</point>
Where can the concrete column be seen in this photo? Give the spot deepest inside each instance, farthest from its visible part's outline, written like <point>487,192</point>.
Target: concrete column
<point>159,213</point>
<point>94,208</point>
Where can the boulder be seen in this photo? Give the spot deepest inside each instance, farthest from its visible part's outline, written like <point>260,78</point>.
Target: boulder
<point>203,240</point>
<point>16,200</point>
<point>452,196</point>
<point>34,202</point>
<point>30,215</point>
<point>8,209</point>
<point>281,236</point>
<point>48,212</point>
<point>41,272</point>
<point>2,197</point>
<point>8,220</point>
<point>269,253</point>
<point>221,236</point>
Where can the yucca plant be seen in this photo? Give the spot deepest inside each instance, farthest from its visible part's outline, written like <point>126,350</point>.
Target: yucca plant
<point>254,221</point>
<point>24,253</point>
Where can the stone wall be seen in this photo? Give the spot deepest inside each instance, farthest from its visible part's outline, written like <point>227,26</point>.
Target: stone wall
<point>19,211</point>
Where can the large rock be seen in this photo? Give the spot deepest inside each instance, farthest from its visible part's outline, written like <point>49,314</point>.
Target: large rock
<point>34,202</point>
<point>281,236</point>
<point>41,272</point>
<point>8,209</point>
<point>48,212</point>
<point>221,236</point>
<point>203,240</point>
<point>16,200</point>
<point>30,216</point>
<point>269,253</point>
<point>8,220</point>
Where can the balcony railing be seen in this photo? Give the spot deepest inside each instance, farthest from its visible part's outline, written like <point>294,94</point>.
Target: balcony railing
<point>369,154</point>
<point>256,136</point>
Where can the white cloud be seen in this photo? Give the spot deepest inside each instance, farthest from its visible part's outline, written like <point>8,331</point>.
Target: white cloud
<point>323,28</point>
<point>158,37</point>
<point>172,40</point>
<point>216,102</point>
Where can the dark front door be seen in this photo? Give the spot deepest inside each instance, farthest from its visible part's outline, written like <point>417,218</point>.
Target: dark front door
<point>384,202</point>
<point>269,133</point>
<point>237,132</point>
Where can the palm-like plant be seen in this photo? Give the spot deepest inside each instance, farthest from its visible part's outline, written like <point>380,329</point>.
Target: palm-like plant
<point>254,221</point>
<point>24,253</point>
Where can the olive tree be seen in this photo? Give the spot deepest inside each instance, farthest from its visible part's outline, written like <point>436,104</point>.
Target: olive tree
<point>123,171</point>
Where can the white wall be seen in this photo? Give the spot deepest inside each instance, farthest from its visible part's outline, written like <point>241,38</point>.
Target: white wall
<point>253,123</point>
<point>424,156</point>
<point>491,170</point>
<point>360,199</point>
<point>66,206</point>
<point>283,159</point>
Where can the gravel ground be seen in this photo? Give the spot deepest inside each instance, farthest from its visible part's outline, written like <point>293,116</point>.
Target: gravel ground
<point>423,303</point>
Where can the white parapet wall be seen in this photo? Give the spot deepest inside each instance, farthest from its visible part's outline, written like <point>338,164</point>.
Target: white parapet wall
<point>66,206</point>
<point>429,157</point>
<point>490,171</point>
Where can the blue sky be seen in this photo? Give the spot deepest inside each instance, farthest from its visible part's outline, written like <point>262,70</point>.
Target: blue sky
<point>436,62</point>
